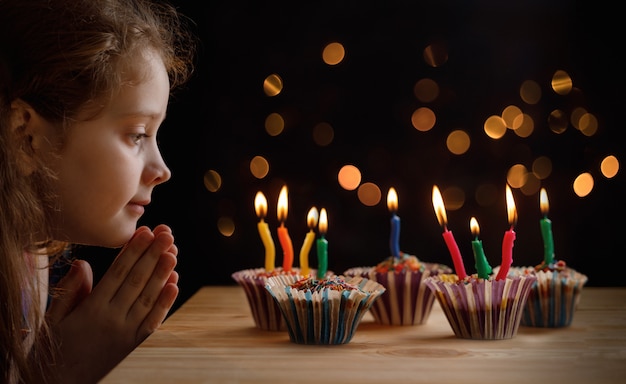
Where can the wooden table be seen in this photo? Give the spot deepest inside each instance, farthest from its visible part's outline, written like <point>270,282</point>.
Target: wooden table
<point>212,339</point>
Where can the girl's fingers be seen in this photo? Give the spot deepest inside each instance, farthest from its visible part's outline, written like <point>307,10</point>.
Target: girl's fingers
<point>70,291</point>
<point>159,311</point>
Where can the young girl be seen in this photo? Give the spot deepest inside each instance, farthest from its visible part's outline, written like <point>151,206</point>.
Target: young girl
<point>84,87</point>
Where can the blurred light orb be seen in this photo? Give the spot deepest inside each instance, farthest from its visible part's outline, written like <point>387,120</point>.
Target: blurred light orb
<point>542,167</point>
<point>561,82</point>
<point>259,167</point>
<point>583,184</point>
<point>494,127</point>
<point>609,166</point>
<point>588,124</point>
<point>426,90</point>
<point>369,194</point>
<point>274,124</point>
<point>212,180</point>
<point>323,134</point>
<point>530,92</point>
<point>423,119</point>
<point>526,127</point>
<point>511,115</point>
<point>349,177</point>
<point>454,198</point>
<point>557,121</point>
<point>517,175</point>
<point>575,116</point>
<point>532,184</point>
<point>458,142</point>
<point>436,54</point>
<point>226,226</point>
<point>333,53</point>
<point>272,85</point>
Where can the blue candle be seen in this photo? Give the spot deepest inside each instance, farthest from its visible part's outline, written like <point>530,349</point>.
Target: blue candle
<point>394,238</point>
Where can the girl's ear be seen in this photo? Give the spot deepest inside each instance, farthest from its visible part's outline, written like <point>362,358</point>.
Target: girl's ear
<point>30,134</point>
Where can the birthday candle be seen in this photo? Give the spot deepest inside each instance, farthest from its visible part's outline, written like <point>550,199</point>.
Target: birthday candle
<point>482,265</point>
<point>283,234</point>
<point>394,238</point>
<point>322,246</point>
<point>546,228</point>
<point>260,206</point>
<point>453,248</point>
<point>308,241</point>
<point>509,236</point>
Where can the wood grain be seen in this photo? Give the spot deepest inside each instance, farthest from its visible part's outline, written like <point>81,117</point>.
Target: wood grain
<point>212,339</point>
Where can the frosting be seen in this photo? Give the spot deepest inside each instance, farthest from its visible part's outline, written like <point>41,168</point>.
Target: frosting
<point>334,283</point>
<point>404,263</point>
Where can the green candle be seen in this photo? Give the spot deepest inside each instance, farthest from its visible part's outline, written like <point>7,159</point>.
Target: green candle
<point>546,229</point>
<point>322,246</point>
<point>482,265</point>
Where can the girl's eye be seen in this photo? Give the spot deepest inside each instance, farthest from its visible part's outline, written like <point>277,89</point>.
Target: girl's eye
<point>137,137</point>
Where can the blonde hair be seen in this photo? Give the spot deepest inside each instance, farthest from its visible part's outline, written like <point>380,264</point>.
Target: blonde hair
<point>60,57</point>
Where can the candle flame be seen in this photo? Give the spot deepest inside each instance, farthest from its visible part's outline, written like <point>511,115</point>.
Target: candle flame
<point>440,209</point>
<point>510,207</point>
<point>282,204</point>
<point>543,202</point>
<point>323,223</point>
<point>474,227</point>
<point>392,200</point>
<point>260,204</point>
<point>311,218</point>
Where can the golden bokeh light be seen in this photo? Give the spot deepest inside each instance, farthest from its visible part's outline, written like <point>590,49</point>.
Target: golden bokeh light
<point>486,194</point>
<point>349,177</point>
<point>323,134</point>
<point>226,226</point>
<point>517,175</point>
<point>369,194</point>
<point>530,92</point>
<point>436,54</point>
<point>259,167</point>
<point>575,116</point>
<point>272,85</point>
<point>511,115</point>
<point>212,180</point>
<point>609,166</point>
<point>525,125</point>
<point>458,142</point>
<point>333,53</point>
<point>532,184</point>
<point>423,119</point>
<point>454,198</point>
<point>274,124</point>
<point>426,90</point>
<point>542,167</point>
<point>557,121</point>
<point>583,184</point>
<point>561,82</point>
<point>495,127</point>
<point>588,124</point>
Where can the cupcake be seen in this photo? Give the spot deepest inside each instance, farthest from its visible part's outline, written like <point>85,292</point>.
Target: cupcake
<point>482,309</point>
<point>323,311</point>
<point>554,298</point>
<point>406,301</point>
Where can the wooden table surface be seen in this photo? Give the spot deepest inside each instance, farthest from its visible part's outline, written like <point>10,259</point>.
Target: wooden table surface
<point>212,339</point>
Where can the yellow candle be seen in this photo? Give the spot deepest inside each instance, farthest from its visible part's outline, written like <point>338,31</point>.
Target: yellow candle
<point>283,234</point>
<point>308,241</point>
<point>260,206</point>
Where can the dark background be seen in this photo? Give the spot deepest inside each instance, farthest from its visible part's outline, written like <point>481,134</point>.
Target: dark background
<point>217,123</point>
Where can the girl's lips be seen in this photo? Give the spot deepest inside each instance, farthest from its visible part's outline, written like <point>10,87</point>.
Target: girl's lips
<point>136,208</point>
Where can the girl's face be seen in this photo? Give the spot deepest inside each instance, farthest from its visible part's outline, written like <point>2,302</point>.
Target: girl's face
<point>109,165</point>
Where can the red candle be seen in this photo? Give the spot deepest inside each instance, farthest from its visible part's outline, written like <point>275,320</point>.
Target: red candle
<point>509,236</point>
<point>453,248</point>
<point>283,234</point>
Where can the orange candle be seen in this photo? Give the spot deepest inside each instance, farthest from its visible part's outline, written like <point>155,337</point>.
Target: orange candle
<point>283,234</point>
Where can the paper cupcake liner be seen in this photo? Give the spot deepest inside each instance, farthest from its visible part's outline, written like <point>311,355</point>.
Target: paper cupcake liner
<point>553,300</point>
<point>482,309</point>
<point>323,317</point>
<point>406,301</point>
<point>264,310</point>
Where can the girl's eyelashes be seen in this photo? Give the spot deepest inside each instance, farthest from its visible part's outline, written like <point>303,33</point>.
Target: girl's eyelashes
<point>137,137</point>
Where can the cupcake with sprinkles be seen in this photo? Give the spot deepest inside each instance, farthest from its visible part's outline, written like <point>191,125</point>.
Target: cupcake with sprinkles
<point>554,298</point>
<point>323,311</point>
<point>481,306</point>
<point>406,301</point>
